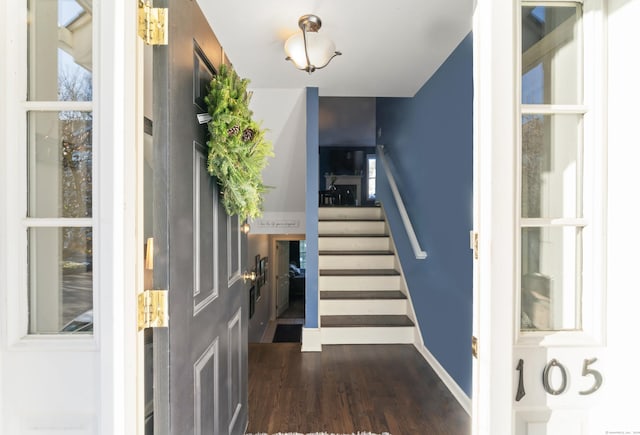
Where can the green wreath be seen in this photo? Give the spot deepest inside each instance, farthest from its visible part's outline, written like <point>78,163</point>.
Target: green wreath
<point>238,150</point>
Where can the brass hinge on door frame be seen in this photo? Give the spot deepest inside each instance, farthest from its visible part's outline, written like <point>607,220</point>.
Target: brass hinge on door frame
<point>153,23</point>
<point>473,242</point>
<point>474,347</point>
<point>153,309</point>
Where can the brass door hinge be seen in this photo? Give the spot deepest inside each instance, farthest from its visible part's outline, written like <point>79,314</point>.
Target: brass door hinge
<point>153,24</point>
<point>153,309</point>
<point>474,347</point>
<point>473,236</point>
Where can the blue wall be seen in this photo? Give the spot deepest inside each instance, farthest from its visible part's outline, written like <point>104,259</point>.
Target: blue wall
<point>429,142</point>
<point>311,210</point>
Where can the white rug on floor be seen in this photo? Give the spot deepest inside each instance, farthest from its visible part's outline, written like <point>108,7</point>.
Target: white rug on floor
<point>319,433</point>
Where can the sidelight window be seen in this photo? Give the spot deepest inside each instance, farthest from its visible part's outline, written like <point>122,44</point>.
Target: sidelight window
<point>553,215</point>
<point>59,167</point>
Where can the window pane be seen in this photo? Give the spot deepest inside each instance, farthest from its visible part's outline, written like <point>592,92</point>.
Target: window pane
<point>60,161</point>
<point>60,280</point>
<point>371,179</point>
<point>551,59</point>
<point>303,254</point>
<point>551,278</point>
<point>551,166</point>
<point>60,50</point>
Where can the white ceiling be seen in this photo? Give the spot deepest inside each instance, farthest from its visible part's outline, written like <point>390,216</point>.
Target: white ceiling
<point>390,48</point>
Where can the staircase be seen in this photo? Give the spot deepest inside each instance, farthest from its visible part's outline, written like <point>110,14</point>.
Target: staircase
<point>361,289</point>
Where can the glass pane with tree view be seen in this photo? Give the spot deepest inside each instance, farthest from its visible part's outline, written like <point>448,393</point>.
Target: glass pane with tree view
<point>60,280</point>
<point>551,61</point>
<point>551,166</point>
<point>60,48</point>
<point>60,164</point>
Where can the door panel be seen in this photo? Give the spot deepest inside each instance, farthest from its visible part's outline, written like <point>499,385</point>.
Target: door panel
<point>200,360</point>
<point>234,379</point>
<point>205,238</point>
<point>206,398</point>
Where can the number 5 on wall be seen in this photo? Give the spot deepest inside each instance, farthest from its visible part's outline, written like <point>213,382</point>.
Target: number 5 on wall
<point>597,376</point>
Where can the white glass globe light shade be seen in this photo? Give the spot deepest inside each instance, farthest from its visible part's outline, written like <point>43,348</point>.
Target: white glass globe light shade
<point>319,48</point>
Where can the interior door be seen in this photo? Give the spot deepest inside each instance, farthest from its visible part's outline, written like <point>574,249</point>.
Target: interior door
<point>199,363</point>
<point>282,277</point>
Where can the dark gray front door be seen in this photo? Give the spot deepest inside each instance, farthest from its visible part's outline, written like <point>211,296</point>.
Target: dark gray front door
<point>200,360</point>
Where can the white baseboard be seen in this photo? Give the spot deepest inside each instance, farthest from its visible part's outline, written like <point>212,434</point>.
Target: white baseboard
<point>311,340</point>
<point>445,377</point>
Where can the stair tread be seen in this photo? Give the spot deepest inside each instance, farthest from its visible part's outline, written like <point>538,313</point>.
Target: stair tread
<point>359,272</point>
<point>360,252</point>
<point>354,207</point>
<point>353,219</point>
<point>384,320</point>
<point>353,235</point>
<point>362,294</point>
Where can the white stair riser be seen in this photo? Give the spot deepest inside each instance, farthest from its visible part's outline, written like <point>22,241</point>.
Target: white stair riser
<point>352,222</point>
<point>336,307</point>
<point>356,262</point>
<point>368,335</point>
<point>349,213</point>
<point>372,283</point>
<point>356,227</point>
<point>354,244</point>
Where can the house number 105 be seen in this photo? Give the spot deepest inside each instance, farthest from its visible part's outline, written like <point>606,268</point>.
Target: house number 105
<point>554,364</point>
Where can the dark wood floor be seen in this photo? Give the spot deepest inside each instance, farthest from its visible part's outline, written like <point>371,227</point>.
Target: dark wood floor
<point>349,388</point>
<point>296,308</point>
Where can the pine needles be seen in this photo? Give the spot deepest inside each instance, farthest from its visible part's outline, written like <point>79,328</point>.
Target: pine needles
<point>238,150</point>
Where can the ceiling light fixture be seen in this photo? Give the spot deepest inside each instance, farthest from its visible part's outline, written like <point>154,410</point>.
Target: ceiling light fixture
<point>308,50</point>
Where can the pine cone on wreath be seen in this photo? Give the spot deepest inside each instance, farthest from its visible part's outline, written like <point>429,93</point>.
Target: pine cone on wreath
<point>233,130</point>
<point>248,134</point>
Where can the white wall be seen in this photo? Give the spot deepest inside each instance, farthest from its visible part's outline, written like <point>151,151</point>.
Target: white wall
<point>283,114</point>
<point>621,381</point>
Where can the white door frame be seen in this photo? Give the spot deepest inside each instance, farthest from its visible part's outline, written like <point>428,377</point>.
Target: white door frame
<point>119,126</point>
<point>494,54</point>
<point>119,38</point>
<point>273,239</point>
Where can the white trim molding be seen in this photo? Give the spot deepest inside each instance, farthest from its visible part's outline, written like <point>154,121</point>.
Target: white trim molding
<point>494,135</point>
<point>116,129</point>
<point>311,340</point>
<point>445,377</point>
